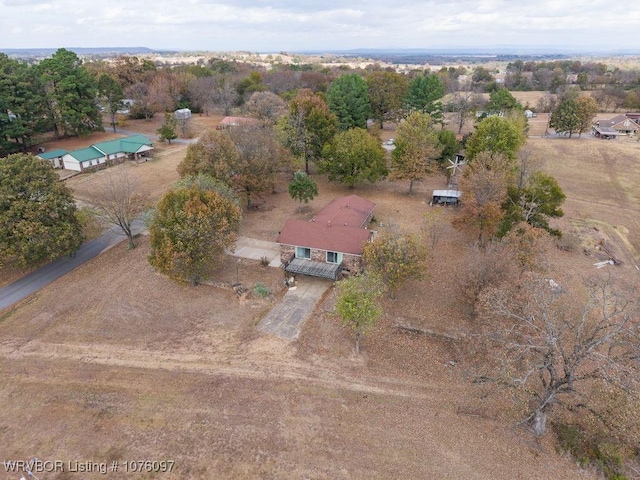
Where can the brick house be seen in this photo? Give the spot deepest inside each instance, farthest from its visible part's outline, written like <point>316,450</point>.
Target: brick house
<point>332,242</point>
<point>622,124</point>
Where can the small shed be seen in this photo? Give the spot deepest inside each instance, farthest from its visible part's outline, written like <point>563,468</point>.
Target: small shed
<point>445,197</point>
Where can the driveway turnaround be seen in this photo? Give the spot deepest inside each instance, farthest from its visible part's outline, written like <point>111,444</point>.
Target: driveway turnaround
<point>256,249</point>
<point>286,319</point>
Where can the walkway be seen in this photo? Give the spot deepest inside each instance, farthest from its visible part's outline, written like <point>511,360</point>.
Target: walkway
<point>285,320</point>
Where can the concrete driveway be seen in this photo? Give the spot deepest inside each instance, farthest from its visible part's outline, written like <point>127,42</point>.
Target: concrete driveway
<point>256,249</point>
<point>285,320</point>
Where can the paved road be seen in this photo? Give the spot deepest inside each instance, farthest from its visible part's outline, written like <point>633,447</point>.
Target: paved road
<point>285,320</point>
<point>34,281</point>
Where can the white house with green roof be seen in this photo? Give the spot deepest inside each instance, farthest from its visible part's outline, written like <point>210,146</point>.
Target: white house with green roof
<point>54,156</point>
<point>111,151</point>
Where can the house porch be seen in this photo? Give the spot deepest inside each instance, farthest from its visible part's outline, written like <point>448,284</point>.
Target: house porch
<point>314,269</point>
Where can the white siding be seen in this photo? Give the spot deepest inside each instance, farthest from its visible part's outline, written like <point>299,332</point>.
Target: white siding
<point>71,163</point>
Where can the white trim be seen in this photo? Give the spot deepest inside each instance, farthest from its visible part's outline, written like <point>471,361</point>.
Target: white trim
<point>338,257</point>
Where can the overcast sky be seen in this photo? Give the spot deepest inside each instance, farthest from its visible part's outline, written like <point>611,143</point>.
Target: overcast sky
<point>297,25</point>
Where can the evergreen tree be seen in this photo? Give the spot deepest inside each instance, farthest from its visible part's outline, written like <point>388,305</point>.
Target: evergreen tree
<point>348,99</point>
<point>425,93</point>
<point>502,101</point>
<point>70,94</point>
<point>168,129</point>
<point>386,93</point>
<point>302,188</point>
<point>535,203</point>
<point>565,119</point>
<point>22,107</point>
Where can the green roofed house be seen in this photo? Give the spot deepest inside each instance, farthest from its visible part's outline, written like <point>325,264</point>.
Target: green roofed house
<point>54,156</point>
<point>102,154</point>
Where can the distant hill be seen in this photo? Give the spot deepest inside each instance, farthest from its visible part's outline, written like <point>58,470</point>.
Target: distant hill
<point>102,51</point>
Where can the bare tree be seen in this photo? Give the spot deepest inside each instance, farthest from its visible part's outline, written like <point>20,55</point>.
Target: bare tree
<point>225,93</point>
<point>547,103</point>
<point>434,228</point>
<point>120,200</point>
<point>266,106</point>
<point>201,90</point>
<point>463,105</point>
<point>259,158</point>
<point>529,162</point>
<point>143,105</point>
<point>549,341</point>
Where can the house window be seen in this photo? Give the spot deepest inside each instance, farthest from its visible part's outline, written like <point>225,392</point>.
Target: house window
<point>303,252</point>
<point>334,257</point>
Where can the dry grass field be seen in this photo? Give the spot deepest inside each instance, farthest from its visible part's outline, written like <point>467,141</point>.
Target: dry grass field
<point>115,362</point>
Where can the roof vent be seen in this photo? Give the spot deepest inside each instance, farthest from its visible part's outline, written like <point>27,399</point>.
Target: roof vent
<point>329,224</point>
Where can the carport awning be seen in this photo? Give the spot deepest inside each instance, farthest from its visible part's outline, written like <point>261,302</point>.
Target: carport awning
<point>315,269</point>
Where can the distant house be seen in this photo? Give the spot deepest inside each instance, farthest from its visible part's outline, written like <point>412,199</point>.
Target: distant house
<point>332,242</point>
<point>54,156</point>
<point>102,154</point>
<point>228,122</point>
<point>621,124</point>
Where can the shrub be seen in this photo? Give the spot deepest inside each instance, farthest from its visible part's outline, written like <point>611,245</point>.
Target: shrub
<point>264,261</point>
<point>591,450</point>
<point>261,290</point>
